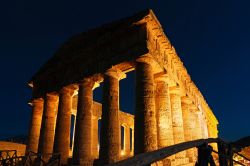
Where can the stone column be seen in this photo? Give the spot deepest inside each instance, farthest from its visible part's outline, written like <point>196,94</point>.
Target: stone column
<point>62,134</point>
<point>188,125</point>
<point>133,142</point>
<point>35,125</point>
<point>95,137</point>
<point>177,119</point>
<point>46,140</point>
<point>192,110</point>
<point>197,134</point>
<point>82,152</point>
<point>110,130</point>
<point>204,126</point>
<point>163,116</point>
<point>127,140</point>
<point>145,134</point>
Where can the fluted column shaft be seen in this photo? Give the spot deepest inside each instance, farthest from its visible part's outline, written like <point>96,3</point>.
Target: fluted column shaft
<point>35,125</point>
<point>188,125</point>
<point>110,125</point>
<point>145,118</point>
<point>82,152</point>
<point>62,134</point>
<point>177,120</point>
<point>196,133</point>
<point>46,140</point>
<point>193,131</point>
<point>198,129</point>
<point>204,127</point>
<point>163,116</point>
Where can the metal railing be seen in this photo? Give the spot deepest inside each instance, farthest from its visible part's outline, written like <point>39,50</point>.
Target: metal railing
<point>225,152</point>
<point>38,159</point>
<point>9,158</point>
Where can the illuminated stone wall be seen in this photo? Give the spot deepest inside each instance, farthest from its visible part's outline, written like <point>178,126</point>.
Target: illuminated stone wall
<point>20,148</point>
<point>169,108</point>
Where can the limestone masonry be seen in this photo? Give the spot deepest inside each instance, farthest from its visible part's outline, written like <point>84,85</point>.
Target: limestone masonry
<point>169,108</point>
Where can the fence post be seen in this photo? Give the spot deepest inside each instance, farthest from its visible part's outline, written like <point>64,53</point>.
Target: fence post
<point>222,153</point>
<point>204,155</point>
<point>230,154</point>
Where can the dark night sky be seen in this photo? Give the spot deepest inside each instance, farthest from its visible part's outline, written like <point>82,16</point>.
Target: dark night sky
<point>212,38</point>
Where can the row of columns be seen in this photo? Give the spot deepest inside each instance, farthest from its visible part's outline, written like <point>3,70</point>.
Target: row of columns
<point>161,119</point>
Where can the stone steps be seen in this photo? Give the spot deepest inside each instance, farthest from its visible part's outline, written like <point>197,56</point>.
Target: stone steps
<point>180,161</point>
<point>189,164</point>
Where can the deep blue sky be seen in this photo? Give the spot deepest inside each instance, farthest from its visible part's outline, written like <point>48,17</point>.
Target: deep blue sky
<point>212,38</point>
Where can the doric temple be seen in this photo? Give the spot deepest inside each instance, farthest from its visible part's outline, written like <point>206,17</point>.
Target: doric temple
<point>169,108</point>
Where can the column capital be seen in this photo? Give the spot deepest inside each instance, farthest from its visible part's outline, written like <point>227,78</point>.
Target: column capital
<point>38,101</point>
<point>198,112</point>
<point>67,90</point>
<point>162,78</point>
<point>193,107</point>
<point>115,73</point>
<point>152,61</point>
<point>52,97</point>
<point>148,59</point>
<point>175,89</point>
<point>186,100</point>
<point>89,82</point>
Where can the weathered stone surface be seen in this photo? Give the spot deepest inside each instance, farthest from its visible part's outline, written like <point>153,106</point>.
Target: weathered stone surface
<point>82,152</point>
<point>145,118</point>
<point>204,126</point>
<point>20,148</point>
<point>127,151</point>
<point>95,141</point>
<point>163,116</point>
<point>35,125</point>
<point>198,130</point>
<point>110,130</point>
<point>188,124</point>
<point>125,119</point>
<point>128,123</point>
<point>62,133</point>
<point>46,140</point>
<point>177,119</point>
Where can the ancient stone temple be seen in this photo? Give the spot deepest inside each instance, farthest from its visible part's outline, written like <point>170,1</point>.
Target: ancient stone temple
<point>169,108</point>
